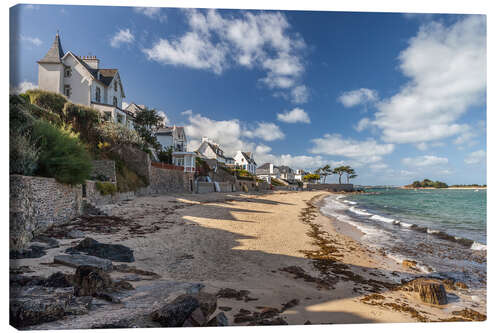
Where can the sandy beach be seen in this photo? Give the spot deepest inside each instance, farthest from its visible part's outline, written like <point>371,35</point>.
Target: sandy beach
<point>276,246</point>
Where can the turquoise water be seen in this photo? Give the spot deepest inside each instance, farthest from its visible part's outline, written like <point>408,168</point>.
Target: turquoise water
<point>457,212</point>
<point>443,230</point>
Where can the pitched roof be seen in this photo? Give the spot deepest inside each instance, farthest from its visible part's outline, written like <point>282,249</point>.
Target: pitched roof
<point>107,75</point>
<point>265,166</point>
<point>247,155</point>
<point>54,54</point>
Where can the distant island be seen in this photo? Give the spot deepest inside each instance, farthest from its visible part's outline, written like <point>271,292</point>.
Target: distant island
<point>427,183</point>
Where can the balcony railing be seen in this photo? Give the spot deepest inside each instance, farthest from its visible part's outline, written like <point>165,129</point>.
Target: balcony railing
<point>167,166</point>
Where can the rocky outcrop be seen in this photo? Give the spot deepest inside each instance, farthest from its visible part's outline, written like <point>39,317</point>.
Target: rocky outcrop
<point>91,281</point>
<point>190,310</point>
<point>430,290</point>
<point>115,252</point>
<point>76,260</point>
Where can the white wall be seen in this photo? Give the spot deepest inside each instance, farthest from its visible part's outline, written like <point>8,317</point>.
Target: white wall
<point>79,82</point>
<point>50,77</point>
<point>112,93</point>
<point>165,140</point>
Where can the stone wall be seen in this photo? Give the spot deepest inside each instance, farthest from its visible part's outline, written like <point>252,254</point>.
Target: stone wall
<point>95,198</point>
<point>37,203</point>
<point>163,181</point>
<point>205,187</point>
<point>135,159</point>
<point>104,168</point>
<point>226,186</point>
<point>330,187</point>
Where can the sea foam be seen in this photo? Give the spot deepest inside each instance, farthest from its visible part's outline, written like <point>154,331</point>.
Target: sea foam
<point>478,246</point>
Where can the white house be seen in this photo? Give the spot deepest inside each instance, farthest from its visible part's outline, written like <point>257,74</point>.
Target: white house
<point>212,150</point>
<point>299,174</point>
<point>172,136</point>
<point>245,161</point>
<point>82,81</point>
<point>286,173</point>
<point>267,171</point>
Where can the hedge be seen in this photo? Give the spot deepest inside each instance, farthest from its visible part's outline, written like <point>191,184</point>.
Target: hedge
<point>106,188</point>
<point>47,100</point>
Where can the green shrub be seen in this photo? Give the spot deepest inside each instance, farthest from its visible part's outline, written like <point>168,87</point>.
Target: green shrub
<point>165,156</point>
<point>47,100</point>
<point>106,188</point>
<point>62,155</point>
<point>18,104</point>
<point>117,134</point>
<point>84,120</point>
<point>23,154</point>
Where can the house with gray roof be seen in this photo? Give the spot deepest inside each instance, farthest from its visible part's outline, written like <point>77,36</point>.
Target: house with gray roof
<point>212,150</point>
<point>83,81</point>
<point>245,161</point>
<point>267,171</point>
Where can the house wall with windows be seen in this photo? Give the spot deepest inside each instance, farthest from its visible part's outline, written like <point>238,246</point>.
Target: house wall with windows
<point>50,77</point>
<point>75,78</point>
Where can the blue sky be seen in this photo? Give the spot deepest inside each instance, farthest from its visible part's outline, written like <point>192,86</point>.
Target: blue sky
<point>398,97</point>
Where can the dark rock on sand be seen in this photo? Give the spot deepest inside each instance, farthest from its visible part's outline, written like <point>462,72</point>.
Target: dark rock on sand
<point>430,290</point>
<point>208,303</point>
<point>195,319</point>
<point>33,251</point>
<point>115,252</point>
<point>175,313</point>
<point>58,280</point>
<point>35,311</point>
<point>219,320</point>
<point>50,243</point>
<point>75,234</point>
<point>91,281</point>
<point>290,304</point>
<point>75,260</point>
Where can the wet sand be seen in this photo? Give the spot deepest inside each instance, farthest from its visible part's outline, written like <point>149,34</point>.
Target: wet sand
<point>277,246</point>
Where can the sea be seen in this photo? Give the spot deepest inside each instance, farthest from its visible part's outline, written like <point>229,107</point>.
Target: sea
<point>443,230</point>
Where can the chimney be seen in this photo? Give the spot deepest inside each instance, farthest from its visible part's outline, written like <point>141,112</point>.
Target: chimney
<point>91,61</point>
<point>271,167</point>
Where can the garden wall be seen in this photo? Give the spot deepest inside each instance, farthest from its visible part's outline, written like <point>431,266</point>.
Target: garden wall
<point>37,203</point>
<point>205,187</point>
<point>95,198</point>
<point>330,187</point>
<point>104,168</point>
<point>163,181</point>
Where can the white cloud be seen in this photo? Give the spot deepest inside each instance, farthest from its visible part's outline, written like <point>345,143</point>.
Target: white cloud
<point>294,116</point>
<point>378,166</point>
<point>363,151</point>
<point>22,87</point>
<point>363,124</point>
<point>356,97</point>
<point>166,121</point>
<point>265,131</point>
<point>123,36</point>
<point>191,50</point>
<point>300,94</point>
<point>151,12</point>
<point>32,40</point>
<point>422,146</point>
<point>424,161</point>
<point>447,71</point>
<point>252,40</point>
<point>476,157</point>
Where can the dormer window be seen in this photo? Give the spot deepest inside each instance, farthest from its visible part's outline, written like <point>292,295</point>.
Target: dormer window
<point>98,94</point>
<point>67,71</point>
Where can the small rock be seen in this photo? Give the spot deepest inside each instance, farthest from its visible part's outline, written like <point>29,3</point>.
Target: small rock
<point>430,290</point>
<point>75,260</point>
<point>461,285</point>
<point>196,319</point>
<point>75,234</point>
<point>175,313</point>
<point>225,308</point>
<point>290,304</point>
<point>308,323</point>
<point>50,243</point>
<point>91,281</point>
<point>115,252</point>
<point>58,280</point>
<point>32,252</point>
<point>35,311</point>
<point>219,320</point>
<point>208,303</point>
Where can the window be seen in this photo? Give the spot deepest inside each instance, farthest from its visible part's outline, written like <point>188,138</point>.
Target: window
<point>67,90</point>
<point>98,94</point>
<point>67,71</point>
<point>119,118</point>
<point>115,101</point>
<point>116,86</point>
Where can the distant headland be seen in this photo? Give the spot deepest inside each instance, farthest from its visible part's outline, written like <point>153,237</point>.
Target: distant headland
<point>430,184</point>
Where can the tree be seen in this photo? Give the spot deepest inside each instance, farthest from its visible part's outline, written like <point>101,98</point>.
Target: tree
<point>312,177</point>
<point>339,171</point>
<point>348,172</point>
<point>147,122</point>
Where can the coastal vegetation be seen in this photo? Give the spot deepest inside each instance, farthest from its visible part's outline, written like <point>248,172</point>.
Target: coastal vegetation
<point>342,170</point>
<point>106,188</point>
<point>427,183</point>
<point>147,122</point>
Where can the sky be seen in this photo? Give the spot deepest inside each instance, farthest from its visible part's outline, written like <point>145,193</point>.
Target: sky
<point>398,97</point>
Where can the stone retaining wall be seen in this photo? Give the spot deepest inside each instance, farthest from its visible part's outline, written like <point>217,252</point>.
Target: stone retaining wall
<point>104,168</point>
<point>205,187</point>
<point>37,203</point>
<point>95,198</point>
<point>330,187</point>
<point>163,181</point>
<point>226,186</point>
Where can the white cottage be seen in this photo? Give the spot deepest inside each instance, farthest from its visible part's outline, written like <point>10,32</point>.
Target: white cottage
<point>245,161</point>
<point>211,150</point>
<point>82,81</point>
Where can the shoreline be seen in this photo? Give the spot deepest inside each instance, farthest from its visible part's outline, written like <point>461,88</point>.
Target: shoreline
<point>277,247</point>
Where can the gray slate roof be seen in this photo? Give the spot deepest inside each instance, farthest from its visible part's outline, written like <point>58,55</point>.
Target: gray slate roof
<point>54,54</point>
